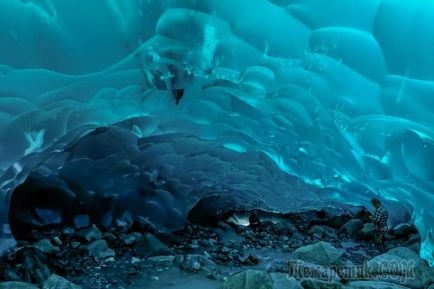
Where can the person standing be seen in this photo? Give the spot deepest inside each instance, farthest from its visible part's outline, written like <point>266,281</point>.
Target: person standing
<point>379,219</point>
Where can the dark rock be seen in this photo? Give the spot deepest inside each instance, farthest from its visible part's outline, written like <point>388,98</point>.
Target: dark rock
<point>361,213</point>
<point>249,259</point>
<point>397,262</point>
<point>81,221</point>
<point>89,234</point>
<point>142,225</point>
<point>367,232</point>
<point>351,227</point>
<point>75,244</point>
<point>427,276</point>
<point>320,231</point>
<point>99,250</point>
<point>8,274</point>
<point>33,264</point>
<point>131,238</point>
<point>286,227</point>
<point>148,246</point>
<point>196,263</point>
<point>46,247</point>
<point>254,220</point>
<point>403,231</point>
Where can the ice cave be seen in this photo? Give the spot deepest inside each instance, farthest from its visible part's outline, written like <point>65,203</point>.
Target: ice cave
<point>179,111</point>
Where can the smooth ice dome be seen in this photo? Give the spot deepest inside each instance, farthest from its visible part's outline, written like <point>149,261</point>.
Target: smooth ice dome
<point>288,105</point>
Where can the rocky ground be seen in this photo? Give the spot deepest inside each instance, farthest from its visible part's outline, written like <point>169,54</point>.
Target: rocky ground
<point>315,249</point>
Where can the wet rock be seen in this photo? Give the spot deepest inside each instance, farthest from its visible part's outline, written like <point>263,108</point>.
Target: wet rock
<point>46,247</point>
<point>75,244</point>
<point>413,241</point>
<point>284,281</point>
<point>321,253</point>
<point>407,254</point>
<point>81,221</point>
<point>99,250</point>
<point>68,231</point>
<point>367,232</point>
<point>58,282</point>
<point>142,225</point>
<point>286,227</point>
<point>57,241</point>
<point>351,227</point>
<point>33,264</point>
<point>162,260</point>
<point>373,285</point>
<point>311,283</point>
<point>401,255</point>
<point>131,238</point>
<point>17,285</point>
<point>135,260</point>
<point>394,264</point>
<point>255,279</point>
<point>148,246</point>
<point>403,231</point>
<point>9,274</point>
<point>320,231</point>
<point>89,234</point>
<point>248,259</point>
<point>317,229</point>
<point>196,263</point>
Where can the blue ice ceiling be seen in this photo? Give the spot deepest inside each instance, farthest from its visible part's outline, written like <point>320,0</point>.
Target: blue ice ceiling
<point>288,104</point>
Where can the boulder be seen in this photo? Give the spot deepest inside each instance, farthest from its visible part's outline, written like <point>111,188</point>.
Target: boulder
<point>373,285</point>
<point>148,246</point>
<point>311,283</point>
<point>89,234</point>
<point>255,279</point>
<point>131,238</point>
<point>17,285</point>
<point>161,260</point>
<point>100,250</point>
<point>403,231</point>
<point>321,253</point>
<point>46,247</point>
<point>351,227</point>
<point>427,276</point>
<point>407,254</point>
<point>81,221</point>
<point>368,231</point>
<point>398,266</point>
<point>286,227</point>
<point>58,282</point>
<point>284,281</point>
<point>321,230</point>
<point>196,263</point>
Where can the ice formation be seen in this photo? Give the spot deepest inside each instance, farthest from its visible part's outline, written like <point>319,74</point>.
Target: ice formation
<point>288,104</point>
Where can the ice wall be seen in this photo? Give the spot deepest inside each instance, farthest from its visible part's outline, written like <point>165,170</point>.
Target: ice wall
<point>337,95</point>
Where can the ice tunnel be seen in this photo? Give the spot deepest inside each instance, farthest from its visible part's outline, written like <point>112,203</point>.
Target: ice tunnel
<point>286,105</point>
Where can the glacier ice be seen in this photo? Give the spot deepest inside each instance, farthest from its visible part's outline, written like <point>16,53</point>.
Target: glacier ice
<point>288,104</point>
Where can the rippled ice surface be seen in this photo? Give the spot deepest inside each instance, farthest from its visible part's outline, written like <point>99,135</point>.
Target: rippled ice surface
<point>288,104</point>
